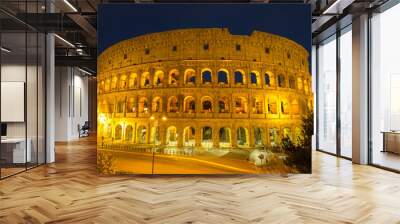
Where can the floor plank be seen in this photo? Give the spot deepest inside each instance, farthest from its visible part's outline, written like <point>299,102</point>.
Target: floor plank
<point>70,191</point>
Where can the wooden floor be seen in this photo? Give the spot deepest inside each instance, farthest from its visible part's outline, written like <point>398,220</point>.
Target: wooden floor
<point>70,191</point>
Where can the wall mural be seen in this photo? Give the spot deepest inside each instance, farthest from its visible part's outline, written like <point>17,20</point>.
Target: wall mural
<point>196,100</point>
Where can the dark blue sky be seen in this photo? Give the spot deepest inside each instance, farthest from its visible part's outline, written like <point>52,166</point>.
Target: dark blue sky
<point>118,22</point>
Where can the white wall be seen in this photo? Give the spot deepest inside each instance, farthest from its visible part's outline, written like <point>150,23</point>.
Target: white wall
<point>71,102</point>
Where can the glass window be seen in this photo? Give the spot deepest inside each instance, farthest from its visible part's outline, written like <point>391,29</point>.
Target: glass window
<point>327,96</point>
<point>385,89</point>
<point>346,93</point>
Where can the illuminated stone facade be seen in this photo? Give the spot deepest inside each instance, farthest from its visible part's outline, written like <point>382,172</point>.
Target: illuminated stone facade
<point>204,88</point>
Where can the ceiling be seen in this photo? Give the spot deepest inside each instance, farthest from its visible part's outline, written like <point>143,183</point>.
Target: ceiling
<point>76,21</point>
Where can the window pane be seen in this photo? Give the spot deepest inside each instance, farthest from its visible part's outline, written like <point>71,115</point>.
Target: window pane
<point>327,96</point>
<point>385,84</point>
<point>346,94</point>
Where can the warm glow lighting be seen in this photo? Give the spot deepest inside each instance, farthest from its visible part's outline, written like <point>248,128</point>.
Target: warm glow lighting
<point>164,118</point>
<point>152,118</point>
<point>5,50</point>
<point>70,5</point>
<point>102,118</point>
<point>64,40</point>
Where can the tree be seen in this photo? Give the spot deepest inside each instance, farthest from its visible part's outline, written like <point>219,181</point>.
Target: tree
<point>299,155</point>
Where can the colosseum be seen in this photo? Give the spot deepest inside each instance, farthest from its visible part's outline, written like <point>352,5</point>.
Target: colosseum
<point>203,88</point>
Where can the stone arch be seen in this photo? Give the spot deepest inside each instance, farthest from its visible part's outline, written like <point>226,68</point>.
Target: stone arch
<point>267,79</point>
<point>272,105</point>
<point>131,104</point>
<point>281,81</point>
<point>242,136</point>
<point>274,136</point>
<point>285,106</point>
<point>239,77</point>
<point>206,136</point>
<point>155,135</point>
<point>123,82</point>
<point>223,76</point>
<point>120,105</point>
<point>143,104</point>
<point>114,83</point>
<point>145,79</point>
<point>240,105</point>
<point>118,132</point>
<point>129,133</point>
<point>190,76</point>
<point>141,134</point>
<point>132,83</point>
<point>158,78</point>
<point>206,76</point>
<point>223,105</point>
<point>258,136</point>
<point>173,77</point>
<point>257,105</point>
<point>225,139</point>
<point>189,134</point>
<point>255,78</point>
<point>156,104</point>
<point>206,104</point>
<point>173,104</point>
<point>189,104</point>
<point>171,136</point>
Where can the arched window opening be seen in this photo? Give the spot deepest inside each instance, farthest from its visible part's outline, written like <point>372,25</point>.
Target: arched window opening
<point>190,77</point>
<point>273,136</point>
<point>254,78</point>
<point>130,105</point>
<point>258,136</point>
<point>172,136</point>
<point>189,134</point>
<point>132,81</point>
<point>141,134</point>
<point>287,133</point>
<point>225,137</point>
<point>156,105</point>
<point>223,106</point>
<point>122,82</point>
<point>239,79</point>
<point>190,105</point>
<point>281,81</point>
<point>267,80</point>
<point>114,82</point>
<point>284,107</point>
<point>257,105</point>
<point>206,77</point>
<point>206,136</point>
<point>173,77</point>
<point>118,132</point>
<point>222,77</point>
<point>158,78</point>
<point>206,104</point>
<point>128,133</point>
<point>272,107</point>
<point>120,106</point>
<point>240,105</point>
<point>145,80</point>
<point>173,105</point>
<point>242,136</point>
<point>143,105</point>
<point>155,135</point>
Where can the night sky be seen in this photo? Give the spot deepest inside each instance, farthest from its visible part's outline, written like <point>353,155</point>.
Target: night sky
<point>117,22</point>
